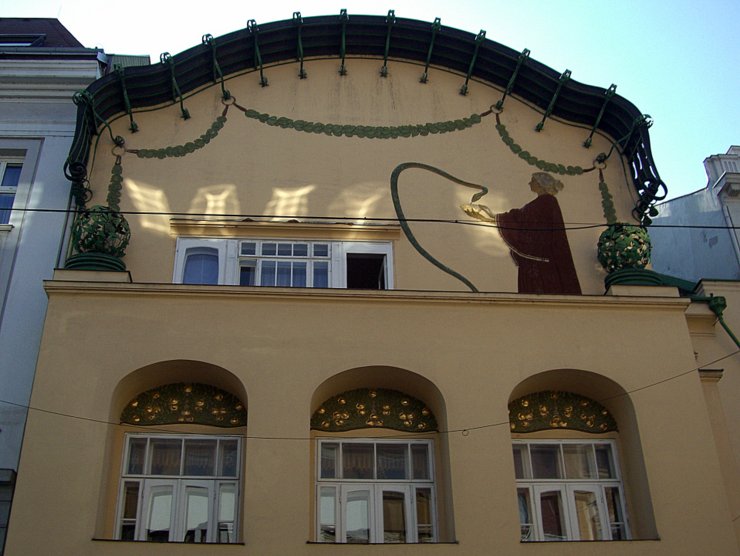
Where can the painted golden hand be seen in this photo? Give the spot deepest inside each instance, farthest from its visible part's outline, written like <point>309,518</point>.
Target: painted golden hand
<point>479,212</point>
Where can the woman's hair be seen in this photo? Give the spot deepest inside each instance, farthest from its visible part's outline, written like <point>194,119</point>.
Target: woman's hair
<point>542,182</point>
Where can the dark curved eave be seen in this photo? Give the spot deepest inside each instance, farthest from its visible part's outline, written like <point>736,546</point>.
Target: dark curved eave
<point>366,36</point>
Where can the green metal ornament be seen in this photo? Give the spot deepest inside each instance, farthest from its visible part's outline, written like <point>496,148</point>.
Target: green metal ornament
<point>100,229</point>
<point>624,246</point>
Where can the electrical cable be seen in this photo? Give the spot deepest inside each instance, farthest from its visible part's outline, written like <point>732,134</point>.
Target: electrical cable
<point>355,220</point>
<point>464,431</point>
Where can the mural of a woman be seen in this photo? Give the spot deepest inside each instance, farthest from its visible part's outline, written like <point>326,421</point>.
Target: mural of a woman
<point>535,235</point>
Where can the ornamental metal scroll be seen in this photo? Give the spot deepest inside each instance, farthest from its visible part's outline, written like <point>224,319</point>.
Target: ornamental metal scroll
<point>550,410</point>
<point>373,408</point>
<point>181,403</point>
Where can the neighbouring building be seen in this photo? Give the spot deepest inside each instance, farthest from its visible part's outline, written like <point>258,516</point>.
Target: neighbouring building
<point>697,234</point>
<point>42,65</point>
<point>332,281</point>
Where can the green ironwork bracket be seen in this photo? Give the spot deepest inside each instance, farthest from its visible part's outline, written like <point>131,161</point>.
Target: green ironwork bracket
<point>718,304</point>
<point>512,80</point>
<point>255,30</point>
<point>86,98</point>
<point>390,21</point>
<point>218,75</point>
<point>298,22</point>
<point>564,78</point>
<point>478,41</point>
<point>166,58</point>
<point>436,26</point>
<point>343,18</point>
<point>609,93</point>
<point>121,77</point>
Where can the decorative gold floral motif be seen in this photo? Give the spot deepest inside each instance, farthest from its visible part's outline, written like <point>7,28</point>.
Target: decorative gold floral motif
<point>185,403</point>
<point>559,410</point>
<point>376,408</point>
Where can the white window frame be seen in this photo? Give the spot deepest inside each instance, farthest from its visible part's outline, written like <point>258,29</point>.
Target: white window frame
<point>375,489</point>
<point>567,488</point>
<point>230,258</point>
<point>217,530</point>
<point>6,161</point>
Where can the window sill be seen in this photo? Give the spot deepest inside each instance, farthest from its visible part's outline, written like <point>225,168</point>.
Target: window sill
<point>170,542</point>
<point>589,541</point>
<point>6,228</point>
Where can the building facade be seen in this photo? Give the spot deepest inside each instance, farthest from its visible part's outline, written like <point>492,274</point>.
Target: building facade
<point>41,67</point>
<point>703,224</point>
<point>329,284</point>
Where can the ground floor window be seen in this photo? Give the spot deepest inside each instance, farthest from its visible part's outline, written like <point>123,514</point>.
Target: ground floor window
<point>179,488</point>
<point>375,491</point>
<point>569,490</point>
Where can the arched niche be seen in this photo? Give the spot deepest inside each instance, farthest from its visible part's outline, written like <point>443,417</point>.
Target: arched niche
<point>142,384</point>
<point>401,384</point>
<point>621,425</point>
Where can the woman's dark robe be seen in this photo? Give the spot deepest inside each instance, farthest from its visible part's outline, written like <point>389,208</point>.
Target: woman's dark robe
<point>536,236</point>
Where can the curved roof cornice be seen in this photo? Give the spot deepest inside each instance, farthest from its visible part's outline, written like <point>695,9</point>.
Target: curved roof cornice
<point>365,35</point>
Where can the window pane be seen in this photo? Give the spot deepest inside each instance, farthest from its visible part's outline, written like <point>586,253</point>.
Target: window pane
<point>248,248</point>
<point>420,461</point>
<point>300,250</point>
<point>604,462</point>
<point>269,249</point>
<point>616,516</point>
<point>200,458</point>
<point>357,461</point>
<point>320,274</point>
<point>6,203</point>
<point>546,461</point>
<point>525,514</point>
<point>329,453</point>
<point>196,514</point>
<point>226,512</point>
<point>579,461</point>
<point>248,273</point>
<point>392,461</point>
<point>268,273</point>
<point>328,514</point>
<point>165,456</point>
<point>424,526</point>
<point>551,504</point>
<point>228,458</point>
<point>136,454</point>
<point>587,515</point>
<point>130,510</point>
<point>357,517</point>
<point>160,514</point>
<point>394,517</point>
<point>285,249</point>
<point>201,268</point>
<point>283,273</point>
<point>521,462</point>
<point>299,275</point>
<point>320,249</point>
<point>12,175</point>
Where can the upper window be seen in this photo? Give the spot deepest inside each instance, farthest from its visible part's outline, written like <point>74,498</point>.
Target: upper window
<point>179,488</point>
<point>284,263</point>
<point>569,490</point>
<point>375,491</point>
<point>10,173</point>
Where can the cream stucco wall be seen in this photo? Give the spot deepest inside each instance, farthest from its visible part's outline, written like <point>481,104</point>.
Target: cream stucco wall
<point>283,351</point>
<point>253,169</point>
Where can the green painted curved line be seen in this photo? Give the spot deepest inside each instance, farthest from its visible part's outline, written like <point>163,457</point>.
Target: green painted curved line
<point>402,218</point>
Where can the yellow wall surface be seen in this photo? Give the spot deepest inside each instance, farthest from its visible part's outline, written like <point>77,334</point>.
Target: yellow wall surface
<point>470,350</point>
<point>257,170</point>
<point>109,336</point>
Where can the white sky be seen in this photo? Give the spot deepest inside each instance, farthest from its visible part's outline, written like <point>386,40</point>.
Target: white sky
<point>676,60</point>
